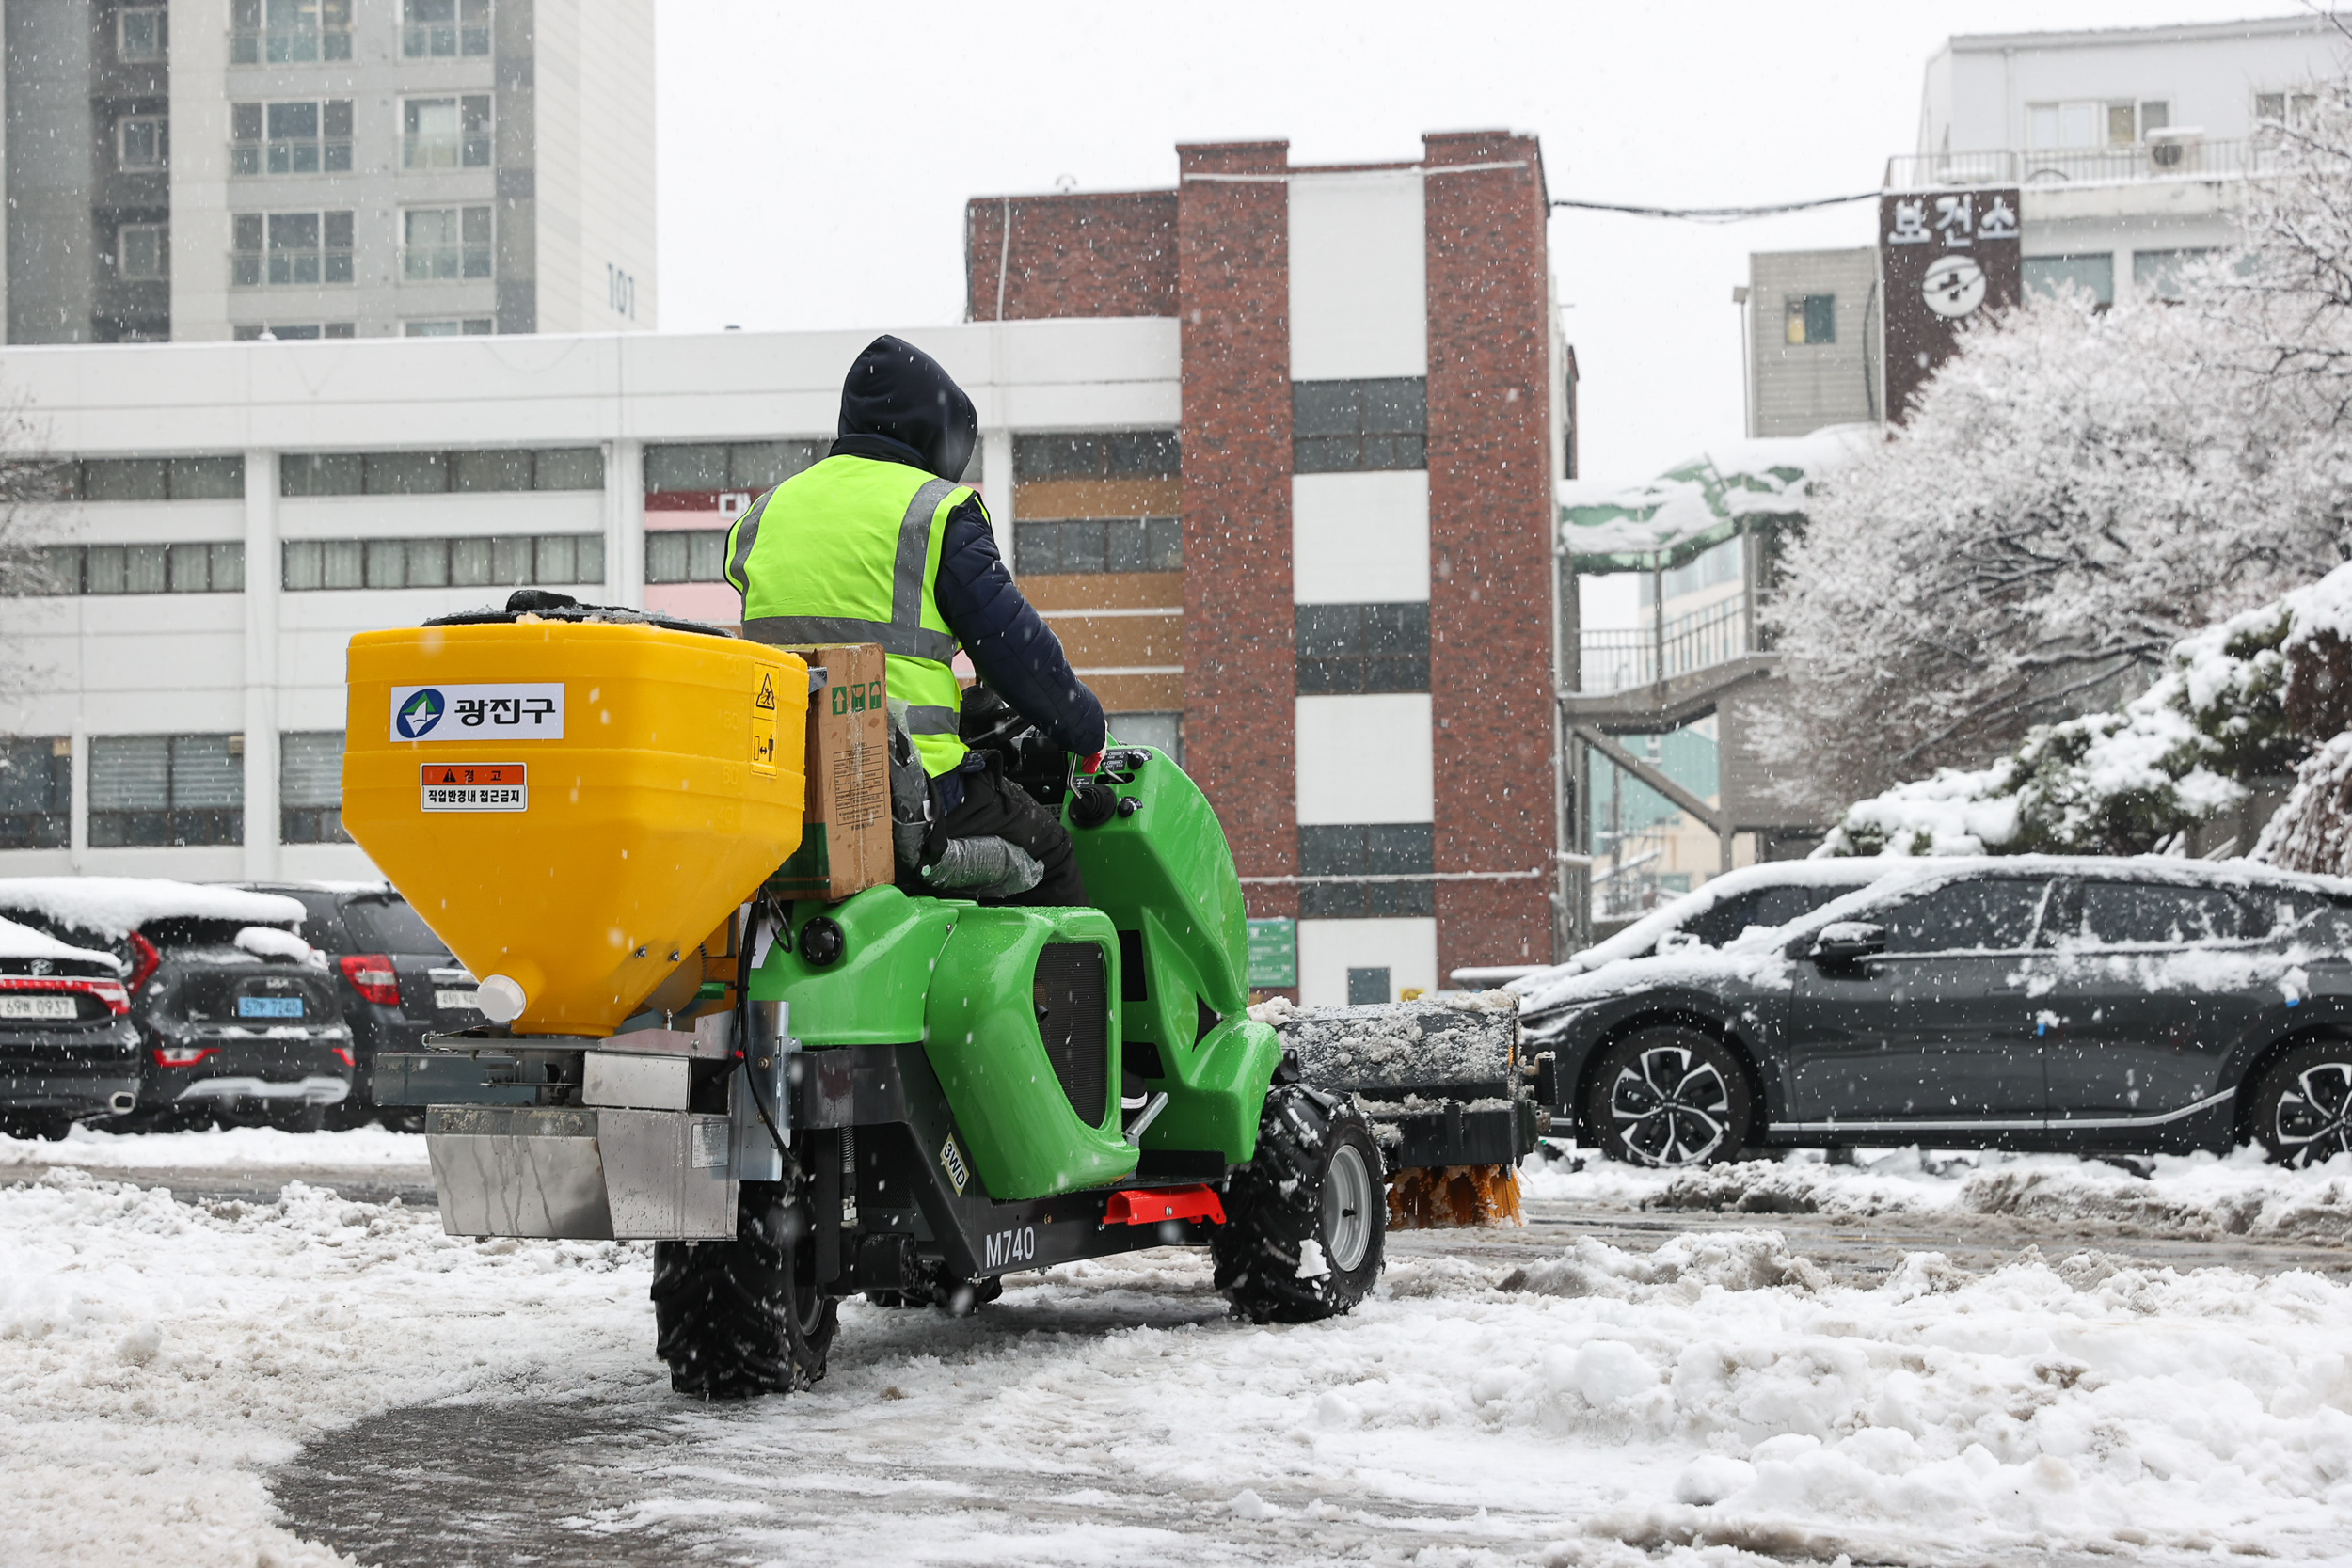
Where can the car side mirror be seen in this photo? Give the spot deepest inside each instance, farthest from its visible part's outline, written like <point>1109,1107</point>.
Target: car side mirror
<point>1844,942</point>
<point>1678,942</point>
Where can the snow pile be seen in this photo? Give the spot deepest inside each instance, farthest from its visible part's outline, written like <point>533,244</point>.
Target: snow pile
<point>2118,782</point>
<point>377,1150</point>
<point>1460,1037</point>
<point>156,1356</point>
<point>1701,501</point>
<point>267,942</point>
<point>22,941</point>
<point>114,907</point>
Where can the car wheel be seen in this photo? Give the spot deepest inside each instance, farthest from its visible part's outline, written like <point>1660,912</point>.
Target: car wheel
<point>1669,1096</point>
<point>2302,1106</point>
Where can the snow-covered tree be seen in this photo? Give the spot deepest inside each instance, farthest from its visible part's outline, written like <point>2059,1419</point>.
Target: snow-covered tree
<point>27,484</point>
<point>2075,493</point>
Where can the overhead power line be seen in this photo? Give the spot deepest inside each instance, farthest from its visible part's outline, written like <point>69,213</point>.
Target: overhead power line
<point>1714,215</point>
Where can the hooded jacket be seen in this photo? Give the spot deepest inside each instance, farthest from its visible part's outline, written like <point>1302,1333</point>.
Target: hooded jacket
<point>900,406</point>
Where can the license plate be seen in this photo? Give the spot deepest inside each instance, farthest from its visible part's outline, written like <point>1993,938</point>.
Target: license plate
<point>456,999</point>
<point>36,1006</point>
<point>269,1006</point>
<point>475,787</point>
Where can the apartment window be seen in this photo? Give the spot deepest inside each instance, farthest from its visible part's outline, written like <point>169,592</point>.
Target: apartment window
<point>289,32</point>
<point>143,252</point>
<point>1367,849</point>
<point>142,142</point>
<point>1099,545</point>
<point>1109,454</point>
<point>1812,319</point>
<point>441,28</point>
<point>142,33</point>
<point>2285,108</point>
<point>445,133</point>
<point>310,787</point>
<point>290,248</point>
<point>310,136</point>
<point>166,789</point>
<point>188,567</point>
<point>1164,732</point>
<point>293,331</point>
<point>686,555</point>
<point>2088,123</point>
<point>36,792</point>
<point>1369,987</point>
<point>433,473</point>
<point>2094,275</point>
<point>694,471</point>
<point>1347,648</point>
<point>506,561</point>
<point>147,479</point>
<point>441,245</point>
<point>462,326</point>
<point>2165,273</point>
<point>1354,426</point>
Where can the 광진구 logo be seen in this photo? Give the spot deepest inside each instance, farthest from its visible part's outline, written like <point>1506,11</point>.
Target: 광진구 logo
<point>418,714</point>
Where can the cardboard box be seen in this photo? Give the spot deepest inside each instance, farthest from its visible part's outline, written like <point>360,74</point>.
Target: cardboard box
<point>845,835</point>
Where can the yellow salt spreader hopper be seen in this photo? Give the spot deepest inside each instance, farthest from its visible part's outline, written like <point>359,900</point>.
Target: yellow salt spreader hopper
<point>575,806</point>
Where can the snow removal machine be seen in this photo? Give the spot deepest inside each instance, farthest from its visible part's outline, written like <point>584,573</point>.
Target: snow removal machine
<point>719,1021</point>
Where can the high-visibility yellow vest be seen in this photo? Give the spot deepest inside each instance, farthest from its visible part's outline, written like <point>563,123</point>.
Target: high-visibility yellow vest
<point>847,552</point>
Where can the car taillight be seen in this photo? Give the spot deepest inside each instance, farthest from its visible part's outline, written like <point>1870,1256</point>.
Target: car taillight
<point>184,1055</point>
<point>345,1051</point>
<point>113,993</point>
<point>372,975</point>
<point>116,1000</point>
<point>150,960</point>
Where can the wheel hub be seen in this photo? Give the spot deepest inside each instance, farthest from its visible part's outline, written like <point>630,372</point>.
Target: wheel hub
<point>1347,1199</point>
<point>1671,1107</point>
<point>2313,1118</point>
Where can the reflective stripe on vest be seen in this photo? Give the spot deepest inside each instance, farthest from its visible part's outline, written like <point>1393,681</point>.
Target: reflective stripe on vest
<point>804,568</point>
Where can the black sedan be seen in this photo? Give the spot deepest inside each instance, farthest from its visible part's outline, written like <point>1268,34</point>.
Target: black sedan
<point>68,1049</point>
<point>2029,1003</point>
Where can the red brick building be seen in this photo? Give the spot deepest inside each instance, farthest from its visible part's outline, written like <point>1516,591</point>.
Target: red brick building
<point>1335,580</point>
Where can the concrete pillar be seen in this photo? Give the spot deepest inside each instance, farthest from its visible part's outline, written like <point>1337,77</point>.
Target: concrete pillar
<point>262,580</point>
<point>996,478</point>
<point>77,818</point>
<point>625,522</point>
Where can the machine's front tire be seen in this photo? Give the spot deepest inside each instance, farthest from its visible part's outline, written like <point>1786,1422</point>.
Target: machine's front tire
<point>740,1318</point>
<point>1306,1219</point>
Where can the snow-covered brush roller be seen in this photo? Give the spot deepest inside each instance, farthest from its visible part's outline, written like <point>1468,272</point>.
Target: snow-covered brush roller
<point>799,1099</point>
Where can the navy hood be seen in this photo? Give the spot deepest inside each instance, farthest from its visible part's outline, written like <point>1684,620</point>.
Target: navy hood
<point>896,391</point>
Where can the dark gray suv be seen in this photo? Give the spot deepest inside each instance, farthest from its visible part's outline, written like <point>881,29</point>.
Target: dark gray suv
<point>2030,1003</point>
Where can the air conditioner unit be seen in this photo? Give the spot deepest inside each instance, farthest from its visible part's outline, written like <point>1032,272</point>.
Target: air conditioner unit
<point>2174,148</point>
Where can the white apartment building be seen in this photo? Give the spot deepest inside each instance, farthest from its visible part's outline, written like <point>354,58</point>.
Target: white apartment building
<point>326,168</point>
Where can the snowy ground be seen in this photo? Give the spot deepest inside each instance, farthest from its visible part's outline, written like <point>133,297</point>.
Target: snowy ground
<point>1540,1397</point>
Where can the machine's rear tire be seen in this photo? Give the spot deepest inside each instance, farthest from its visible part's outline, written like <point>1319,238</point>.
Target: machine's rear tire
<point>1314,1184</point>
<point>740,1318</point>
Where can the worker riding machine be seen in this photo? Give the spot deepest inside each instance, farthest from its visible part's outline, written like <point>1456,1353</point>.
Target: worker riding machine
<point>803,1099</point>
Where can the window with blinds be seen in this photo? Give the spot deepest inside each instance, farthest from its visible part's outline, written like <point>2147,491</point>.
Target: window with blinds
<point>310,787</point>
<point>166,789</point>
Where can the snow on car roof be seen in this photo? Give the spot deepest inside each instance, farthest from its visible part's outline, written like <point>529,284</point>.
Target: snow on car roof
<point>1643,934</point>
<point>114,907</point>
<point>22,941</point>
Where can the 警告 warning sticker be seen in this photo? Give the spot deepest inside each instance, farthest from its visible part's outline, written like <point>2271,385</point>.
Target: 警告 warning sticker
<point>475,786</point>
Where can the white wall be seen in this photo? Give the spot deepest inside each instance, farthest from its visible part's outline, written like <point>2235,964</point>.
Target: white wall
<point>1361,538</point>
<point>1360,298</point>
<point>1327,950</point>
<point>594,109</point>
<point>1365,759</point>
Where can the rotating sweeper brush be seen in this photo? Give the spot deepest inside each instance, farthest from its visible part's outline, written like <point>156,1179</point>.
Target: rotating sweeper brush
<point>727,1030</point>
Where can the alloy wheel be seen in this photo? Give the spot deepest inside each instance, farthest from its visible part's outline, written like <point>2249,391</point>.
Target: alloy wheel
<point>2313,1117</point>
<point>1671,1107</point>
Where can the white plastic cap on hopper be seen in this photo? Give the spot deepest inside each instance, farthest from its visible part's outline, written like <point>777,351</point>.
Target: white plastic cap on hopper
<point>501,998</point>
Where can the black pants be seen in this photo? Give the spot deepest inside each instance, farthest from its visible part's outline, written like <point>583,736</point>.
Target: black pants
<point>994,805</point>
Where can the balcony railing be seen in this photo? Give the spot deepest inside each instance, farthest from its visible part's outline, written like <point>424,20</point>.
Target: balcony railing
<point>289,46</point>
<point>444,40</point>
<point>255,269</point>
<point>1620,660</point>
<point>290,157</point>
<point>2176,158</point>
<point>443,263</point>
<point>431,151</point>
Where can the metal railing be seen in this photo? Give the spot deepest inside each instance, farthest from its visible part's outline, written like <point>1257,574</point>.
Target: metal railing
<point>445,39</point>
<point>2175,158</point>
<point>443,263</point>
<point>289,157</point>
<point>289,46</point>
<point>255,269</point>
<point>1620,660</point>
<point>429,150</point>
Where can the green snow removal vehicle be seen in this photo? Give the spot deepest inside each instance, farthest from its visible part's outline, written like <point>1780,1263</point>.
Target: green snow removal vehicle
<point>800,1097</point>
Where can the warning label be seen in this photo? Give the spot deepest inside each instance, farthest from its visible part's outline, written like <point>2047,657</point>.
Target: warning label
<point>764,726</point>
<point>475,786</point>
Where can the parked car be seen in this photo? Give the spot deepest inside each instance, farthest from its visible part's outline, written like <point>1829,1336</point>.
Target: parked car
<point>399,982</point>
<point>236,1014</point>
<point>68,1049</point>
<point>2127,1005</point>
